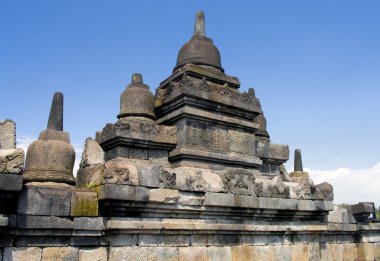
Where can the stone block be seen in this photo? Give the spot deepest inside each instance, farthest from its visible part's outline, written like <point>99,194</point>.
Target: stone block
<point>175,240</point>
<point>314,252</point>
<point>92,154</point>
<point>34,222</point>
<point>12,161</point>
<point>282,253</point>
<point>148,175</point>
<point>4,220</point>
<point>376,251</point>
<point>130,253</point>
<point>45,200</point>
<point>335,216</point>
<point>149,240</point>
<point>60,253</point>
<point>349,251</point>
<point>123,240</point>
<point>260,253</point>
<point>202,239</point>
<point>163,253</point>
<point>90,177</point>
<point>7,135</point>
<point>246,201</point>
<point>362,207</point>
<point>122,192</point>
<point>168,196</point>
<point>365,251</point>
<point>191,198</point>
<point>278,152</point>
<point>22,254</point>
<point>10,182</point>
<point>219,199</point>
<point>84,203</point>
<point>243,253</point>
<point>217,253</point>
<point>336,251</point>
<point>300,252</point>
<point>120,171</point>
<point>93,254</point>
<point>193,253</point>
<point>88,223</point>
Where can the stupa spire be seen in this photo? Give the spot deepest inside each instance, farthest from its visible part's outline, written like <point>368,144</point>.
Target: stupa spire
<point>199,27</point>
<point>56,113</point>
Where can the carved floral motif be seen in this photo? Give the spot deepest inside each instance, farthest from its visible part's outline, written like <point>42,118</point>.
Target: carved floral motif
<point>278,188</point>
<point>303,190</point>
<point>167,179</point>
<point>240,182</point>
<point>197,182</point>
<point>116,176</point>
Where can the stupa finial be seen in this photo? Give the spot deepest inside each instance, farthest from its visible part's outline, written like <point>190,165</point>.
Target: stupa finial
<point>298,160</point>
<point>56,113</point>
<point>199,27</point>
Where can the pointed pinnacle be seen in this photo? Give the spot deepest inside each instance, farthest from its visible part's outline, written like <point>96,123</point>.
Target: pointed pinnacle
<point>56,113</point>
<point>298,160</point>
<point>137,78</point>
<point>199,27</point>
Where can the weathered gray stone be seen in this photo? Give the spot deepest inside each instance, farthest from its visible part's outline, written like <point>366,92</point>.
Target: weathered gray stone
<point>298,160</point>
<point>278,152</point>
<point>10,182</point>
<point>4,220</point>
<point>246,201</point>
<point>123,192</point>
<point>92,154</point>
<point>34,222</point>
<point>163,253</point>
<point>193,253</point>
<point>219,199</point>
<point>217,253</point>
<point>22,254</point>
<point>55,121</point>
<point>168,196</point>
<point>50,159</point>
<point>282,253</point>
<point>191,198</point>
<point>49,199</point>
<point>148,175</point>
<point>11,161</point>
<point>88,223</point>
<point>90,177</point>
<point>60,253</point>
<point>7,135</point>
<point>93,254</point>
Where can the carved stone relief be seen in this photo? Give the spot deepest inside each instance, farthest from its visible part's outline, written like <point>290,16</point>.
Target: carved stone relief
<point>116,176</point>
<point>303,190</point>
<point>240,182</point>
<point>167,179</point>
<point>197,182</point>
<point>278,188</point>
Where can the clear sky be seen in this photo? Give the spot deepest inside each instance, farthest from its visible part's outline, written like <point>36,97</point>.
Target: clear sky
<point>315,65</point>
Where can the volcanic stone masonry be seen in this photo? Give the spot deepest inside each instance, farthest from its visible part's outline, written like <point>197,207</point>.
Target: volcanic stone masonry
<point>189,173</point>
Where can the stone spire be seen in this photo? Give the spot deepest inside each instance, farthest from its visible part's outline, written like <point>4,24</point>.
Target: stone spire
<point>199,26</point>
<point>199,49</point>
<point>56,113</point>
<point>298,160</point>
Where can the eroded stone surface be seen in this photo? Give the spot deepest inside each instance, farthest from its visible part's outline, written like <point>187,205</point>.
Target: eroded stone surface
<point>12,161</point>
<point>22,253</point>
<point>7,135</point>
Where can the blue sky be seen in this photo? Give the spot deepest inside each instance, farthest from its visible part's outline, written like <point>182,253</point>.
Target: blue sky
<point>315,65</point>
